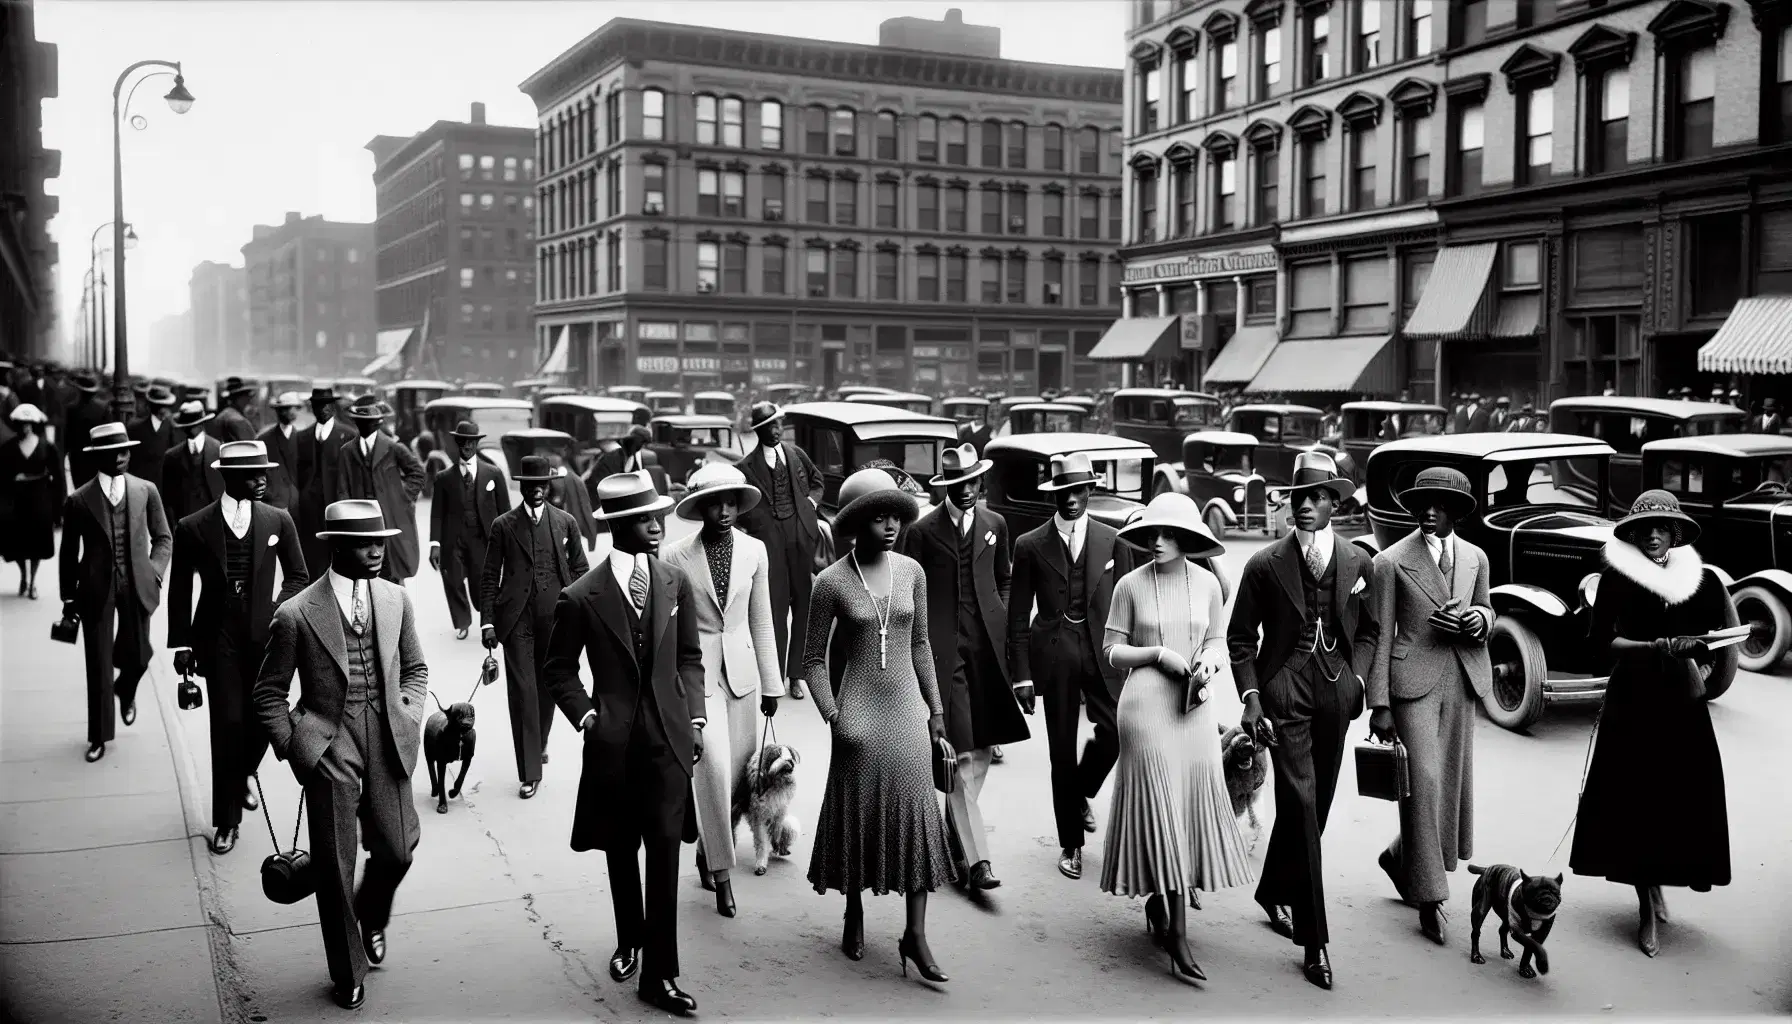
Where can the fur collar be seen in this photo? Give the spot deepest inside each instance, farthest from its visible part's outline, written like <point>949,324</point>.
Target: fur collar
<point>1675,582</point>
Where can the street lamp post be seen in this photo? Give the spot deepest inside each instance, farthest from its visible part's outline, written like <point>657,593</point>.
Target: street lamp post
<point>180,101</point>
<point>98,337</point>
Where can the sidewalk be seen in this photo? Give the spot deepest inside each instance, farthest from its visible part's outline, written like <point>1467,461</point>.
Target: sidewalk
<point>101,910</point>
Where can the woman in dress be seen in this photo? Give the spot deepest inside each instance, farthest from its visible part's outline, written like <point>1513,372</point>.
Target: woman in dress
<point>1652,810</point>
<point>31,492</point>
<point>1171,830</point>
<point>880,826</point>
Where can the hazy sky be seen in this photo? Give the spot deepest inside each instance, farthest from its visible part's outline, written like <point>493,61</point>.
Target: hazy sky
<point>288,93</point>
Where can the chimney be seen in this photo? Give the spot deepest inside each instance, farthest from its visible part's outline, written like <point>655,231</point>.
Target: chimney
<point>478,113</point>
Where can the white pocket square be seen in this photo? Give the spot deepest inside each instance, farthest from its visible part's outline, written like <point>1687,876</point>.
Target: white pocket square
<point>273,540</point>
<point>674,613</point>
<point>990,538</point>
<point>1361,585</point>
<point>1108,566</point>
<point>489,484</point>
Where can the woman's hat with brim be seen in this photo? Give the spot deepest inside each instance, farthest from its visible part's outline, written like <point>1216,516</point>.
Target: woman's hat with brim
<point>763,413</point>
<point>533,469</point>
<point>1658,506</point>
<point>356,519</point>
<point>1315,470</point>
<point>25,412</point>
<point>108,436</point>
<point>960,464</point>
<point>1074,469</point>
<point>870,493</point>
<point>368,407</point>
<point>622,495</point>
<point>191,414</point>
<point>1177,512</point>
<point>1440,484</point>
<point>243,455</point>
<point>712,480</point>
<point>466,430</point>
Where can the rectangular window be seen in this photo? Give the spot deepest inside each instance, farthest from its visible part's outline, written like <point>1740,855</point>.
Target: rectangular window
<point>1368,37</point>
<point>1608,121</point>
<point>1696,81</point>
<point>733,120</point>
<point>510,168</point>
<point>1415,159</point>
<point>1145,187</point>
<point>1225,206</point>
<point>1312,176</point>
<point>958,203</point>
<point>1468,22</point>
<point>815,131</point>
<point>773,184</point>
<point>1116,214</point>
<point>957,272</point>
<point>734,268</point>
<point>992,143</point>
<point>709,266</point>
<point>771,124</point>
<point>1088,151</point>
<point>815,200</point>
<point>1780,103</point>
<point>1269,63</point>
<point>990,279</point>
<point>653,188</point>
<point>815,271</point>
<point>613,119</point>
<point>1537,129</point>
<point>1466,172</point>
<point>846,133</point>
<point>1088,282</point>
<point>1362,168</point>
<point>885,263</point>
<point>1523,267</point>
<point>734,194</point>
<point>927,207</point>
<point>957,148</point>
<point>771,269</point>
<point>1051,291</point>
<point>486,165</point>
<point>886,135</point>
<point>1088,215</point>
<point>709,192</point>
<point>1182,185</point>
<point>1054,148</point>
<point>653,115</point>
<point>1418,29</point>
<point>1017,279</point>
<point>1225,94</point>
<point>466,277</point>
<point>992,211</point>
<point>1017,211</point>
<point>927,139</point>
<point>927,277</point>
<point>1017,146</point>
<point>1269,186</point>
<point>886,204</point>
<point>1053,215</point>
<point>846,203</point>
<point>1366,293</point>
<point>1310,300</point>
<point>613,252</point>
<point>1260,299</point>
<point>613,185</point>
<point>466,167</point>
<point>1151,76</point>
<point>1718,274</point>
<point>1318,49</point>
<point>653,264</point>
<point>708,120</point>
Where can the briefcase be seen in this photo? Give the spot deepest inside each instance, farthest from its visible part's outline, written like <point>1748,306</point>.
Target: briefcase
<point>65,630</point>
<point>1382,772</point>
<point>945,766</point>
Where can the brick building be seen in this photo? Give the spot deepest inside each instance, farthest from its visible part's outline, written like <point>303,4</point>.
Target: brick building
<point>28,73</point>
<point>736,209</point>
<point>218,300</point>
<point>310,298</point>
<point>456,242</point>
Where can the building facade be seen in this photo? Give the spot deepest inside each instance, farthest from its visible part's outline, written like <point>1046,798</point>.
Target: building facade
<point>218,301</point>
<point>732,209</point>
<point>456,249</point>
<point>311,298</point>
<point>28,75</point>
<point>1530,198</point>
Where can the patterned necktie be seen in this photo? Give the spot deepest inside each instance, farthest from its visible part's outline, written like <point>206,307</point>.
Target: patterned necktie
<point>239,523</point>
<point>637,588</point>
<point>1447,566</point>
<point>359,622</point>
<point>1315,560</point>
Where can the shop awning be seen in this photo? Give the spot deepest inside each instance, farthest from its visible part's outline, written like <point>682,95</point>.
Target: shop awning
<point>381,363</point>
<point>1520,316</point>
<point>1453,305</point>
<point>1358,365</point>
<point>556,362</point>
<point>1142,337</point>
<point>1756,338</point>
<point>1242,357</point>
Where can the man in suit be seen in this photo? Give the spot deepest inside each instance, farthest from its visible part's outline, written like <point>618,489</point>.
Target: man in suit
<point>282,441</point>
<point>626,457</point>
<point>375,467</point>
<point>464,500</point>
<point>1501,415</point>
<point>319,449</point>
<point>1768,422</point>
<point>1068,565</point>
<point>89,411</point>
<point>785,523</point>
<point>232,545</point>
<point>634,618</point>
<point>963,550</point>
<point>533,552</point>
<point>1462,407</point>
<point>233,423</point>
<point>1479,414</point>
<point>1302,635</point>
<point>189,483</point>
<point>115,550</point>
<point>1430,666</point>
<point>731,577</point>
<point>567,493</point>
<point>154,433</point>
<point>352,740</point>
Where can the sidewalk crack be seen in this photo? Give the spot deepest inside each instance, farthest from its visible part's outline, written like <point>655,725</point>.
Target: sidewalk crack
<point>575,965</point>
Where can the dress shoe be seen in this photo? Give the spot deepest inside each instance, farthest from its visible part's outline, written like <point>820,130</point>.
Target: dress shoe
<point>1280,921</point>
<point>95,752</point>
<point>852,935</point>
<point>995,754</point>
<point>982,877</point>
<point>527,790</point>
<point>250,802</point>
<point>725,897</point>
<point>1318,967</point>
<point>460,634</point>
<point>1070,863</point>
<point>129,713</point>
<point>1389,865</point>
<point>224,841</point>
<point>1431,922</point>
<point>909,948</point>
<point>1088,817</point>
<point>625,962</point>
<point>349,998</point>
<point>373,943</point>
<point>663,995</point>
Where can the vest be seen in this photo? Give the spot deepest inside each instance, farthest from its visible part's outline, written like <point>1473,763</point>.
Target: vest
<point>970,622</point>
<point>364,689</point>
<point>118,528</point>
<point>469,503</point>
<point>647,714</point>
<point>1320,632</point>
<point>783,495</point>
<point>544,584</point>
<point>238,564</point>
<point>1076,606</point>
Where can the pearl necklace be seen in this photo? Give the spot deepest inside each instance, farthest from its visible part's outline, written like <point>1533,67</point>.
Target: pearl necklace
<point>882,615</point>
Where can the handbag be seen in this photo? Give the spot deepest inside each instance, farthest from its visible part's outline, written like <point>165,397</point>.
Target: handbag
<point>1382,772</point>
<point>286,875</point>
<point>190,695</point>
<point>945,766</point>
<point>1194,693</point>
<point>1687,677</point>
<point>65,630</point>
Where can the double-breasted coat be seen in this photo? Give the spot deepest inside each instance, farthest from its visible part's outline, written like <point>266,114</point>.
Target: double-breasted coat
<point>508,580</point>
<point>393,477</point>
<point>1042,578</point>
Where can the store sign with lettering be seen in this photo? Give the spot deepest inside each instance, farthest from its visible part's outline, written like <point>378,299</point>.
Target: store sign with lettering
<point>771,365</point>
<point>1199,266</point>
<point>657,364</point>
<point>702,364</point>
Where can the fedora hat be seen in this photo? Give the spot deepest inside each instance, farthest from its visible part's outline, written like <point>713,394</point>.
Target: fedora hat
<point>1316,469</point>
<point>1654,507</point>
<point>85,382</point>
<point>108,436</point>
<point>960,464</point>
<point>368,407</point>
<point>323,393</point>
<point>25,412</point>
<point>289,400</point>
<point>871,492</point>
<point>712,479</point>
<point>466,430</point>
<point>1439,484</point>
<point>159,395</point>
<point>355,517</point>
<point>234,386</point>
<point>533,468</point>
<point>1177,512</point>
<point>191,414</point>
<point>243,455</point>
<point>1070,470</point>
<point>763,413</point>
<point>621,495</point>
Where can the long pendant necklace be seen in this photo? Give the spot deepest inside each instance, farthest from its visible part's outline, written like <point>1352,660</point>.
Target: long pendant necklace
<point>882,615</point>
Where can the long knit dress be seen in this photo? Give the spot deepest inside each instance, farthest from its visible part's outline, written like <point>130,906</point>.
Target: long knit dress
<point>880,826</point>
<point>1171,827</point>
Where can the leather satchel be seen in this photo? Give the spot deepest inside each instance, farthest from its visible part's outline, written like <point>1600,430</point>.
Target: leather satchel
<point>945,766</point>
<point>287,876</point>
<point>65,630</point>
<point>1382,771</point>
<point>190,695</point>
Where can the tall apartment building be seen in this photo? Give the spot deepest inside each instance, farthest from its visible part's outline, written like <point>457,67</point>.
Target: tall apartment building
<point>311,305</point>
<point>456,210</point>
<point>28,76</point>
<point>218,300</point>
<point>736,209</point>
<point>1533,198</point>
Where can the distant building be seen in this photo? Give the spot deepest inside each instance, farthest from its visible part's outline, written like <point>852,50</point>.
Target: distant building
<point>737,209</point>
<point>311,305</point>
<point>169,343</point>
<point>218,301</point>
<point>28,73</point>
<point>455,240</point>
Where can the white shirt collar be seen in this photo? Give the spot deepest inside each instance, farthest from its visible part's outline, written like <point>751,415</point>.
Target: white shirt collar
<point>1324,539</point>
<point>285,429</point>
<point>112,486</point>
<point>196,443</point>
<point>961,518</point>
<point>344,589</point>
<point>771,454</point>
<point>155,421</point>
<point>324,428</point>
<point>470,467</point>
<point>1071,527</point>
<point>367,442</point>
<point>622,566</point>
<point>1436,545</point>
<point>534,512</point>
<point>230,507</point>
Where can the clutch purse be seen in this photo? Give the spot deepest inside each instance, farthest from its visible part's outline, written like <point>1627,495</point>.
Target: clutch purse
<point>1687,676</point>
<point>287,876</point>
<point>1382,772</point>
<point>945,766</point>
<point>1194,694</point>
<point>65,630</point>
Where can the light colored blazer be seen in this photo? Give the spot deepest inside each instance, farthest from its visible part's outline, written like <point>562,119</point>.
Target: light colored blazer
<point>738,643</point>
<point>1411,657</point>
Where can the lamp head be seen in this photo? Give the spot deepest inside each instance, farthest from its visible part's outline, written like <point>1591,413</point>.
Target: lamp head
<point>179,99</point>
<point>130,237</point>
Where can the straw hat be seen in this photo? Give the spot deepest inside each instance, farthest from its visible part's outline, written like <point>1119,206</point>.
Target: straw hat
<point>248,455</point>
<point>1072,470</point>
<point>621,495</point>
<point>712,479</point>
<point>108,436</point>
<point>960,464</point>
<point>289,400</point>
<point>1179,513</point>
<point>191,414</point>
<point>1315,470</point>
<point>763,413</point>
<point>356,517</point>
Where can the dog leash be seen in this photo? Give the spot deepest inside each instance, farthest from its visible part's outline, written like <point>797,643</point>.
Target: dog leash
<point>478,681</point>
<point>1586,766</point>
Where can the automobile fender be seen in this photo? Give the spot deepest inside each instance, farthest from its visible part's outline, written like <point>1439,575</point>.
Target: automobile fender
<point>1225,508</point>
<point>1367,544</point>
<point>1509,598</point>
<point>1171,474</point>
<point>437,460</point>
<point>1776,580</point>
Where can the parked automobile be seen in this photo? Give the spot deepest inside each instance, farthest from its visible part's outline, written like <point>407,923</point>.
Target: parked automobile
<point>1216,470</point>
<point>664,403</point>
<point>408,399</point>
<point>630,392</point>
<point>843,437</point>
<point>895,400</point>
<point>846,391</point>
<point>1283,432</point>
<point>494,417</point>
<point>1087,402</point>
<point>556,445</point>
<point>482,390</point>
<point>596,424</point>
<point>1368,424</point>
<point>1628,423</point>
<point>1162,417</point>
<point>531,387</point>
<point>1043,418</point>
<point>1024,461</point>
<point>715,403</point>
<point>965,409</point>
<point>682,443</point>
<point>784,394</point>
<point>350,388</point>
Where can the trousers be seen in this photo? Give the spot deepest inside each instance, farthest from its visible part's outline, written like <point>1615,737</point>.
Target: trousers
<point>734,721</point>
<point>1072,679</point>
<point>114,637</point>
<point>1437,822</point>
<point>237,741</point>
<point>531,709</point>
<point>648,920</point>
<point>791,581</point>
<point>963,815</point>
<point>463,566</point>
<point>1311,716</point>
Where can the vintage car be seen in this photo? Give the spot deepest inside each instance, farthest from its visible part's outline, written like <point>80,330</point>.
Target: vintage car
<point>350,388</point>
<point>494,417</point>
<point>1628,423</point>
<point>682,443</point>
<point>1216,471</point>
<point>665,403</point>
<point>965,409</point>
<point>556,445</point>
<point>408,399</point>
<point>842,437</point>
<point>846,391</point>
<point>1042,418</point>
<point>1542,527</point>
<point>478,389</point>
<point>596,424</point>
<point>1162,417</point>
<point>1088,403</point>
<point>630,392</point>
<point>1367,424</point>
<point>1735,486</point>
<point>784,394</point>
<point>1282,432</point>
<point>715,403</point>
<point>895,400</point>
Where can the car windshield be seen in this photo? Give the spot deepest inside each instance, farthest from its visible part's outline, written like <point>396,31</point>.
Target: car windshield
<point>1776,470</point>
<point>498,422</point>
<point>1123,478</point>
<point>1574,481</point>
<point>1045,421</point>
<point>1224,459</point>
<point>1193,412</point>
<point>704,437</point>
<point>1300,427</point>
<point>920,459</point>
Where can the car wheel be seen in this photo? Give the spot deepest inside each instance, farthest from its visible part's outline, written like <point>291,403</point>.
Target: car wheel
<point>1163,487</point>
<point>1726,662</point>
<point>1216,523</point>
<point>1770,633</point>
<point>1519,669</point>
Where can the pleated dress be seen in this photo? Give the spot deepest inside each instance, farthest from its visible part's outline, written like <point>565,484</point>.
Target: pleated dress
<point>1171,826</point>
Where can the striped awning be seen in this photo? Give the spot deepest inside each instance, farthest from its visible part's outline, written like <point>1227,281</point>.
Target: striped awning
<point>1132,339</point>
<point>1362,365</point>
<point>1242,357</point>
<point>1519,317</point>
<point>1454,302</point>
<point>1755,338</point>
<point>557,358</point>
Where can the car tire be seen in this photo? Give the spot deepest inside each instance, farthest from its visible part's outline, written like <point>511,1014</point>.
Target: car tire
<point>1763,609</point>
<point>1726,662</point>
<point>1216,523</point>
<point>1515,701</point>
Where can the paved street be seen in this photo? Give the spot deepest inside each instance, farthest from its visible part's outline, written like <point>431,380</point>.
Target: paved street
<point>500,919</point>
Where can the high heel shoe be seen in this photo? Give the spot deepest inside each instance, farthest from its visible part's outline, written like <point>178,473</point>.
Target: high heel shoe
<point>1646,939</point>
<point>1157,920</point>
<point>852,938</point>
<point>1181,963</point>
<point>31,592</point>
<point>910,949</point>
<point>1661,906</point>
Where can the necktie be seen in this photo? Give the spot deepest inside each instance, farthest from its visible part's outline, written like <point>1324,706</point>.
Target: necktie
<point>775,458</point>
<point>1447,565</point>
<point>1315,560</point>
<point>240,521</point>
<point>359,620</point>
<point>637,588</point>
<point>1074,543</point>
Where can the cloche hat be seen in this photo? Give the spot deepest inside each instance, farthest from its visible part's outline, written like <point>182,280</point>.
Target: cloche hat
<point>1439,483</point>
<point>872,492</point>
<point>1658,506</point>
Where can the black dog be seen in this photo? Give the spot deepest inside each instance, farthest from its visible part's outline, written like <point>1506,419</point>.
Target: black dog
<point>1527,907</point>
<point>448,736</point>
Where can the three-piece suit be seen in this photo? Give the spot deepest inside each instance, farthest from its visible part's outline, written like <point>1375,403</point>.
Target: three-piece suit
<point>154,442</point>
<point>189,483</point>
<point>391,475</point>
<point>461,511</point>
<point>785,523</point>
<point>316,478</point>
<point>283,451</point>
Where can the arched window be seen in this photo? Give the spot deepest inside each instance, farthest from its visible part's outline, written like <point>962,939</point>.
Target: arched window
<point>733,121</point>
<point>846,132</point>
<point>887,147</point>
<point>1054,147</point>
<point>1088,151</point>
<point>708,120</point>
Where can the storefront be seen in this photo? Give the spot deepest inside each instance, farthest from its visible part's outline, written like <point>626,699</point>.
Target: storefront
<point>1478,320</point>
<point>1209,297</point>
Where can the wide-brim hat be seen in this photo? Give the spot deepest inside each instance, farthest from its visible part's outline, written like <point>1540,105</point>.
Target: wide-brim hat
<point>355,517</point>
<point>85,382</point>
<point>960,464</point>
<point>465,429</point>
<point>1071,470</point>
<point>25,412</point>
<point>1315,470</point>
<point>872,492</point>
<point>248,455</point>
<point>159,395</point>
<point>323,394</point>
<point>763,413</point>
<point>621,495</point>
<point>368,407</point>
<point>191,414</point>
<point>1178,512</point>
<point>289,400</point>
<point>235,386</point>
<point>1439,484</point>
<point>710,480</point>
<point>108,436</point>
<point>1658,506</point>
<point>533,469</point>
